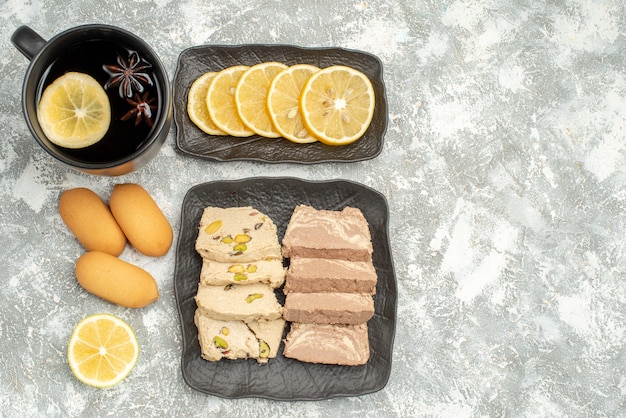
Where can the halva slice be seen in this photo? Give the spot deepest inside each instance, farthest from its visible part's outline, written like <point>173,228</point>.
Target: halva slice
<point>269,334</point>
<point>310,275</point>
<point>345,345</point>
<point>269,271</point>
<point>328,308</point>
<point>239,234</point>
<point>230,302</point>
<point>323,233</point>
<point>225,339</point>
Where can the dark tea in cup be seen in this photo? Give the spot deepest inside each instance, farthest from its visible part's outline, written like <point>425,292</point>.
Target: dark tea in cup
<point>134,97</point>
<point>134,81</point>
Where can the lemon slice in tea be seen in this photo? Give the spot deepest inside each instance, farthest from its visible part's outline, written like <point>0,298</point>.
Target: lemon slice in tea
<point>74,111</point>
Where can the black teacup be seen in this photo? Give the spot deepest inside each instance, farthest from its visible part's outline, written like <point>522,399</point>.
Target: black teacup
<point>135,82</point>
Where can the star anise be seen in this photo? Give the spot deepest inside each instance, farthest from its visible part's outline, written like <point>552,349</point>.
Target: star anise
<point>142,109</point>
<point>129,76</point>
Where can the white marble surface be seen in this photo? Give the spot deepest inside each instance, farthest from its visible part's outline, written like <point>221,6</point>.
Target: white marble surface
<point>504,167</point>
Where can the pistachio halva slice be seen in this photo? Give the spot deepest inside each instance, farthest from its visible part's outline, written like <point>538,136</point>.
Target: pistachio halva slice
<point>241,234</point>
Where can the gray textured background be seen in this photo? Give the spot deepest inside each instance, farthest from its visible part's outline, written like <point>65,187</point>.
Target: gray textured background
<point>504,168</point>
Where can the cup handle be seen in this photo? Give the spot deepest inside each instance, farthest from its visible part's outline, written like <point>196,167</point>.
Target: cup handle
<point>27,41</point>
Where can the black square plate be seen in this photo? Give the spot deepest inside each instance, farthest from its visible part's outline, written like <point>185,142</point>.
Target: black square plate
<point>284,378</point>
<point>195,61</point>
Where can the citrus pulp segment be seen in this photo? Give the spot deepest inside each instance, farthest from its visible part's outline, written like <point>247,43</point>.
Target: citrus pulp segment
<point>74,111</point>
<point>251,97</point>
<point>283,99</point>
<point>197,105</point>
<point>102,350</point>
<point>337,105</point>
<point>221,101</point>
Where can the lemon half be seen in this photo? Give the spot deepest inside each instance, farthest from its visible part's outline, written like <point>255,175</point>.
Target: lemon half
<point>102,350</point>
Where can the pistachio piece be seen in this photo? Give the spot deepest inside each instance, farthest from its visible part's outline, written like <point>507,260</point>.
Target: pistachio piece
<point>213,227</point>
<point>253,296</point>
<point>242,238</point>
<point>227,239</point>
<point>236,268</point>
<point>264,349</point>
<point>240,277</point>
<point>220,342</point>
<point>225,331</point>
<point>229,286</point>
<point>252,268</point>
<point>240,247</point>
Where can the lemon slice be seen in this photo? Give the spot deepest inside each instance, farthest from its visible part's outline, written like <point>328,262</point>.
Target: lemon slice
<point>74,111</point>
<point>102,351</point>
<point>197,104</point>
<point>337,105</point>
<point>221,101</point>
<point>251,97</point>
<point>283,100</point>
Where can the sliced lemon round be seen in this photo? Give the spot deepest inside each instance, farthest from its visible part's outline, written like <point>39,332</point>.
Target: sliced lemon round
<point>251,97</point>
<point>337,105</point>
<point>221,101</point>
<point>74,111</point>
<point>197,105</point>
<point>283,99</point>
<point>102,350</point>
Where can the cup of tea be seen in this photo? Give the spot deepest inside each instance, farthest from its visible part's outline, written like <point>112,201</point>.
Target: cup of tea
<point>130,74</point>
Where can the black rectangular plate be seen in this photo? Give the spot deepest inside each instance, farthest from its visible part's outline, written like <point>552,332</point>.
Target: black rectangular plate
<point>284,378</point>
<point>195,61</point>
